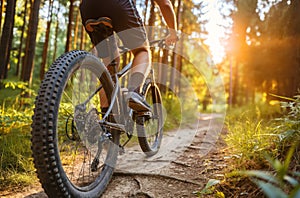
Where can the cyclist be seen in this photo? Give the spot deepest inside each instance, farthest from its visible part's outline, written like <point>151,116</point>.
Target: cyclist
<point>124,16</point>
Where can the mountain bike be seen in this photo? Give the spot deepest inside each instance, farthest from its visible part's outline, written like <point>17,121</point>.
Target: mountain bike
<point>75,143</point>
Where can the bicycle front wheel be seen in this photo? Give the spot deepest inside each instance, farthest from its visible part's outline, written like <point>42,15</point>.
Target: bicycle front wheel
<point>150,125</point>
<point>73,154</point>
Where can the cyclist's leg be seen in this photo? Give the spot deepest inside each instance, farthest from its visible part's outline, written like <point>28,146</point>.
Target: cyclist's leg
<point>133,35</point>
<point>129,26</point>
<point>94,9</point>
<point>140,70</point>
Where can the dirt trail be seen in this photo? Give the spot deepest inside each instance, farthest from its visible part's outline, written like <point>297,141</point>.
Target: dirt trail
<point>177,170</point>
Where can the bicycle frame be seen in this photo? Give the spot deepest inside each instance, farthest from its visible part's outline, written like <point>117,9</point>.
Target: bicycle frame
<point>125,114</point>
<point>81,162</point>
<point>117,93</point>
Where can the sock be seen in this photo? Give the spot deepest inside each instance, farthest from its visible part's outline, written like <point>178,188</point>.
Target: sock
<point>135,81</point>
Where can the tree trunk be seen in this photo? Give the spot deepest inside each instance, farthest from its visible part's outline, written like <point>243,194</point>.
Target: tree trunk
<point>76,30</point>
<point>163,75</point>
<point>180,65</point>
<point>6,38</point>
<point>145,9</point>
<point>46,44</point>
<point>19,57</point>
<point>151,21</point>
<point>82,38</point>
<point>235,84</point>
<point>175,57</point>
<point>28,66</point>
<point>69,30</point>
<point>56,36</point>
<point>1,10</point>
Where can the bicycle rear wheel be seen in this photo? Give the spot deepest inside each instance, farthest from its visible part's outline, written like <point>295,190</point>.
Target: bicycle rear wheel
<point>73,154</point>
<point>150,126</point>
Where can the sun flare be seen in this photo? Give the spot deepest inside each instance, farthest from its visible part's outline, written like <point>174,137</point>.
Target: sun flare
<point>216,28</point>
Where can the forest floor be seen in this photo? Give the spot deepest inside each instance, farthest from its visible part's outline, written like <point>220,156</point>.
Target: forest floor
<point>188,158</point>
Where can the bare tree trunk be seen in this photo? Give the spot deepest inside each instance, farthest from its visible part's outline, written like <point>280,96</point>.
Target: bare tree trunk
<point>82,38</point>
<point>146,9</point>
<point>19,57</point>
<point>163,75</point>
<point>28,66</point>
<point>235,84</point>
<point>151,21</point>
<point>6,38</point>
<point>70,21</point>
<point>46,44</point>
<point>180,63</point>
<point>175,57</point>
<point>76,29</point>
<point>56,35</point>
<point>1,10</point>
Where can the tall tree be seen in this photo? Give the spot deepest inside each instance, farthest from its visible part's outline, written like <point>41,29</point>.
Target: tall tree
<point>70,25</point>
<point>28,66</point>
<point>46,44</point>
<point>76,28</point>
<point>244,15</point>
<point>1,11</point>
<point>20,50</point>
<point>82,38</point>
<point>279,45</point>
<point>56,35</point>
<point>176,58</point>
<point>6,38</point>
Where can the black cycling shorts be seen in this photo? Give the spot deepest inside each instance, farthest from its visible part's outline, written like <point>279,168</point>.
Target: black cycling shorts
<point>125,20</point>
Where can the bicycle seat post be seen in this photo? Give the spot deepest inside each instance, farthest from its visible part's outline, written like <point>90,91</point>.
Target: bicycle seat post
<point>113,65</point>
<point>113,54</point>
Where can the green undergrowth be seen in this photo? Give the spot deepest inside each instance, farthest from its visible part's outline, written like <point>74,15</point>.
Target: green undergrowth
<point>251,134</point>
<point>15,160</point>
<point>262,152</point>
<point>16,166</point>
<point>179,111</point>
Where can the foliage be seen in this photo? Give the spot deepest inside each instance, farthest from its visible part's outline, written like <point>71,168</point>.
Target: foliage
<point>179,110</point>
<point>172,111</point>
<point>210,189</point>
<point>16,167</point>
<point>10,119</point>
<point>289,127</point>
<point>278,140</point>
<point>250,134</point>
<point>15,91</point>
<point>14,114</point>
<point>262,50</point>
<point>283,183</point>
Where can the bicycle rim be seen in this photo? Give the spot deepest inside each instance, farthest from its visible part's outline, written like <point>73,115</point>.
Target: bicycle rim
<point>150,127</point>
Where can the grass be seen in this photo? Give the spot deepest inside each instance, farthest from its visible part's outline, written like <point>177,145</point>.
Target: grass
<point>15,161</point>
<point>251,134</point>
<point>16,166</point>
<point>262,150</point>
<point>179,111</point>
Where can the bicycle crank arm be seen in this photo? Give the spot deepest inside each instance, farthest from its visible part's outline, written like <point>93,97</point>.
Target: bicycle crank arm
<point>111,125</point>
